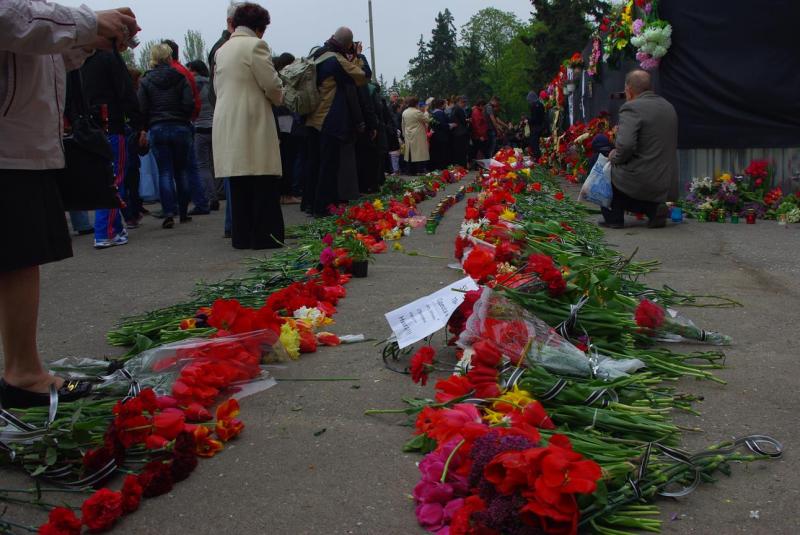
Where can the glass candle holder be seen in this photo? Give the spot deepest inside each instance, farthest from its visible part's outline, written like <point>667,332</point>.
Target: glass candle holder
<point>750,217</point>
<point>676,214</point>
<point>735,218</point>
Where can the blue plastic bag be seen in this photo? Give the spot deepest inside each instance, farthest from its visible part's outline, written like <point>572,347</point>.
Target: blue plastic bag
<point>597,187</point>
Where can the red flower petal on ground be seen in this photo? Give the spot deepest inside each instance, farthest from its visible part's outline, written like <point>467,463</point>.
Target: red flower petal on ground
<point>649,315</point>
<point>421,364</point>
<point>61,521</point>
<point>101,510</point>
<point>131,494</point>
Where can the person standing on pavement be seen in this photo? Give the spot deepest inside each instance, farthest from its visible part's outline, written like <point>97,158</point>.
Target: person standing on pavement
<point>440,138</point>
<point>245,134</point>
<point>536,122</point>
<point>459,148</point>
<point>196,186</point>
<point>480,131</point>
<point>108,88</point>
<point>223,185</point>
<point>330,124</point>
<point>39,41</point>
<point>167,104</point>
<point>644,162</point>
<point>494,126</point>
<point>202,134</point>
<point>415,127</point>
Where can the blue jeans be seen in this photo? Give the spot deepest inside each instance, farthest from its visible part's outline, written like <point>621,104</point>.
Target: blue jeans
<point>171,144</point>
<point>108,222</point>
<point>80,221</point>
<point>196,183</point>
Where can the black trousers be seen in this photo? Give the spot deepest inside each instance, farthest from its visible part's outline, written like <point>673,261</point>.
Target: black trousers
<point>322,181</point>
<point>256,217</point>
<point>622,203</point>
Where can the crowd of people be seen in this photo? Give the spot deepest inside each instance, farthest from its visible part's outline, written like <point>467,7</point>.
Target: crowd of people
<point>205,132</point>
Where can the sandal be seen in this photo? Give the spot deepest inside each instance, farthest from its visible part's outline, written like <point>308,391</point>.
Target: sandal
<point>13,397</point>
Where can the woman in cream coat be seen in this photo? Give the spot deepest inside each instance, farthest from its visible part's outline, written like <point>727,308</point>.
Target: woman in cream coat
<point>415,134</point>
<point>244,134</point>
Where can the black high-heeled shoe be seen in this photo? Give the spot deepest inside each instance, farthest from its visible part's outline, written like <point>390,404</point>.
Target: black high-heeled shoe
<point>13,397</point>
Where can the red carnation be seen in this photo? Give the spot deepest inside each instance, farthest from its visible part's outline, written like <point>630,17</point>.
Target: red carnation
<point>461,523</point>
<point>421,364</point>
<point>480,265</point>
<point>101,510</point>
<point>156,479</point>
<point>649,315</point>
<point>131,494</point>
<point>62,521</point>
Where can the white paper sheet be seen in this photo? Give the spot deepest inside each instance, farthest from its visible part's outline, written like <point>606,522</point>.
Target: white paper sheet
<point>423,317</point>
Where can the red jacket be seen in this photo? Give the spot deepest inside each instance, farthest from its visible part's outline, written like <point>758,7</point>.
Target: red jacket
<point>189,78</point>
<point>480,129</point>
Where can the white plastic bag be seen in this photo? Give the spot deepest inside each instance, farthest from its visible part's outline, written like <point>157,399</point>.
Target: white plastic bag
<point>597,188</point>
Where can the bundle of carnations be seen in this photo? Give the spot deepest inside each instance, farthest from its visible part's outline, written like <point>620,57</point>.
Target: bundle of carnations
<point>557,417</point>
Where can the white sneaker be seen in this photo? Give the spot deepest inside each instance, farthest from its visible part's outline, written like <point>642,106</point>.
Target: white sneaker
<point>119,239</point>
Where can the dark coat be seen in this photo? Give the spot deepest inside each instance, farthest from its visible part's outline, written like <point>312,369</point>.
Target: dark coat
<point>165,95</point>
<point>106,82</point>
<point>645,164</point>
<point>212,60</point>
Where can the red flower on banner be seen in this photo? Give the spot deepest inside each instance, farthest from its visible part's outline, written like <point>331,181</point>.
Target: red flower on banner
<point>421,364</point>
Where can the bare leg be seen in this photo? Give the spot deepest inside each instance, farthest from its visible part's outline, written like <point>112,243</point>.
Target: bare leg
<point>19,311</point>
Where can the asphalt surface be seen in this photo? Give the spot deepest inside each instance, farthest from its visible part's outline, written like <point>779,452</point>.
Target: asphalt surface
<point>309,461</point>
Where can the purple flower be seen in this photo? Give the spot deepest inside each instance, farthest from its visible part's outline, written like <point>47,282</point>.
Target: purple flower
<point>638,26</point>
<point>648,7</point>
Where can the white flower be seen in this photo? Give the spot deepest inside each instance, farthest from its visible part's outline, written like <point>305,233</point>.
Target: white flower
<point>313,316</point>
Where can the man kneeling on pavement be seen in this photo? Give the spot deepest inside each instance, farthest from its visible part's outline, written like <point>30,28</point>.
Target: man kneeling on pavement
<point>644,162</point>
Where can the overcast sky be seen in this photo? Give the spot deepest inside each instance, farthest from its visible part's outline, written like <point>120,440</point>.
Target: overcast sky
<point>297,25</point>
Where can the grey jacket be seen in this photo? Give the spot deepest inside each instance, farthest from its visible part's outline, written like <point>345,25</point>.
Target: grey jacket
<point>39,42</point>
<point>645,165</point>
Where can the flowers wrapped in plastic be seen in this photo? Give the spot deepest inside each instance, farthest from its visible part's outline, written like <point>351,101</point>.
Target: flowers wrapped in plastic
<point>518,334</point>
<point>668,325</point>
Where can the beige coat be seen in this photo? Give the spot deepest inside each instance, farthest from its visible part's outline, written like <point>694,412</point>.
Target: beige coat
<point>244,135</point>
<point>414,132</point>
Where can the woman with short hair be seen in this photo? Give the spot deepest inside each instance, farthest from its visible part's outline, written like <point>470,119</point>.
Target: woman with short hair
<point>167,103</point>
<point>245,136</point>
<point>416,138</point>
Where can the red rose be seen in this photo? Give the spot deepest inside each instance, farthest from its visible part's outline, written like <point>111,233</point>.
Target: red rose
<point>649,315</point>
<point>62,521</point>
<point>421,364</point>
<point>101,510</point>
<point>131,494</point>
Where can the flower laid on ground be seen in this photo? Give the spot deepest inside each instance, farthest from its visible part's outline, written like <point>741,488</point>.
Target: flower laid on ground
<point>422,364</point>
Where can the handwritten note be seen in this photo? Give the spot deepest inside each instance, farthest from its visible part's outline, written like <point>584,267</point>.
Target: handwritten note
<point>423,317</point>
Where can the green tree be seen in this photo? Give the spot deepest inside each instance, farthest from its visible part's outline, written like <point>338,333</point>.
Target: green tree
<point>143,60</point>
<point>470,71</point>
<point>518,66</point>
<point>194,47</point>
<point>442,55</point>
<point>418,76</point>
<point>561,27</point>
<point>492,30</point>
<point>127,57</point>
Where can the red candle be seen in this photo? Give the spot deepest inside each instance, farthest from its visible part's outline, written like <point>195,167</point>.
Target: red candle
<point>750,217</point>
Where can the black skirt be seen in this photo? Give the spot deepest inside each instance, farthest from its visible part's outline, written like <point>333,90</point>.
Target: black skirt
<point>33,226</point>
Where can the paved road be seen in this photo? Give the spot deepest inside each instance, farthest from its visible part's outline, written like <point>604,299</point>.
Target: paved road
<point>286,476</point>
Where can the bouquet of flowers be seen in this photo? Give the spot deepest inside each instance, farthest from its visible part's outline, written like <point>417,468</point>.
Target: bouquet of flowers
<point>668,325</point>
<point>652,40</point>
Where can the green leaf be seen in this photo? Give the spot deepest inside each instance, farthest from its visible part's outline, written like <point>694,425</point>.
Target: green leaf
<point>51,456</point>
